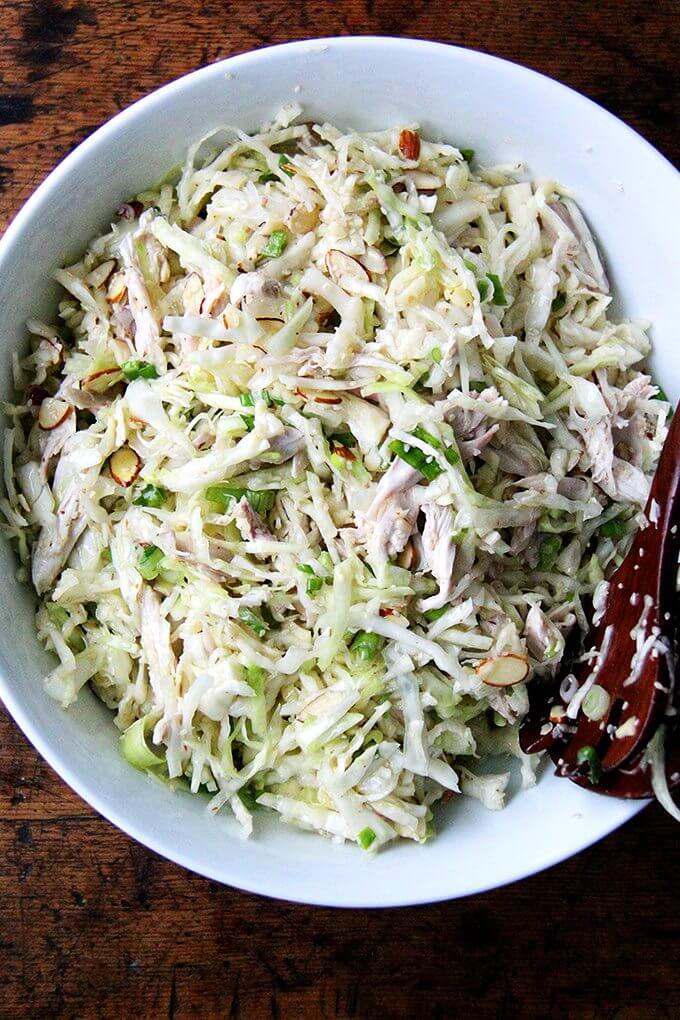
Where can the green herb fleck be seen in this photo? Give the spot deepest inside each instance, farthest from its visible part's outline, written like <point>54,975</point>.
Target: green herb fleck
<point>366,838</point>
<point>134,369</point>
<point>253,621</point>
<point>149,563</point>
<point>261,500</point>
<point>366,645</point>
<point>417,459</point>
<point>548,552</point>
<point>499,297</point>
<point>151,495</point>
<point>615,529</point>
<point>426,437</point>
<point>588,756</point>
<point>276,244</point>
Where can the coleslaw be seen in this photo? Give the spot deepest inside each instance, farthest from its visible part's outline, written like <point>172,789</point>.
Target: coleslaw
<point>332,439</point>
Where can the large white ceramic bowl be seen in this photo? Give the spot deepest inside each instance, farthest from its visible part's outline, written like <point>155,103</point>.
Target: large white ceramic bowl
<point>631,196</point>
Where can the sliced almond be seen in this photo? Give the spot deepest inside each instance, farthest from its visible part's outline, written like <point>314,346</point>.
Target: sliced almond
<point>53,412</point>
<point>328,400</point>
<point>117,289</point>
<point>55,342</point>
<point>343,451</point>
<point>124,466</point>
<point>409,144</point>
<point>345,270</point>
<point>557,713</point>
<point>504,670</point>
<point>97,382</point>
<point>406,556</point>
<point>300,219</point>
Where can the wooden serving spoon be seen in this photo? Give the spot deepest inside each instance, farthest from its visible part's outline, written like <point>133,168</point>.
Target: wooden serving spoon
<point>626,681</point>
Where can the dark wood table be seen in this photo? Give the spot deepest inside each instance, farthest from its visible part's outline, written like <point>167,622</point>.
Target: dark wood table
<point>94,925</point>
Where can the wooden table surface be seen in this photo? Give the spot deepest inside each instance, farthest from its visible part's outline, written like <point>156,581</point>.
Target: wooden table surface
<point>94,925</point>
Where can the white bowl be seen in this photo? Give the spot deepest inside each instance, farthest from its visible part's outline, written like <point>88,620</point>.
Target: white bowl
<point>631,196</point>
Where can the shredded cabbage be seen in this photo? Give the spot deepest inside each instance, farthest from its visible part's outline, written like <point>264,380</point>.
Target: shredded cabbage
<point>321,429</point>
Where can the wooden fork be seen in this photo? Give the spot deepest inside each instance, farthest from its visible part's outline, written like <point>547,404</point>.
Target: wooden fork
<point>632,658</point>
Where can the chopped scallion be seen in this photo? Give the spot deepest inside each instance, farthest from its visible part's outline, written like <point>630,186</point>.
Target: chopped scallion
<point>151,495</point>
<point>252,620</point>
<point>548,552</point>
<point>149,563</point>
<point>366,645</point>
<point>134,369</point>
<point>276,244</point>
<point>366,838</point>
<point>588,756</point>
<point>135,748</point>
<point>615,529</point>
<point>261,500</point>
<point>499,297</point>
<point>426,437</point>
<point>417,459</point>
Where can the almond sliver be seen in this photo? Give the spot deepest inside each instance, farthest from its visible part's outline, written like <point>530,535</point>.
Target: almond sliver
<point>345,270</point>
<point>124,466</point>
<point>504,670</point>
<point>53,412</point>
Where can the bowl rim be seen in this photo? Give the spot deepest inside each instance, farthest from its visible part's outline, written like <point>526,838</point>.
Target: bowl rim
<point>262,885</point>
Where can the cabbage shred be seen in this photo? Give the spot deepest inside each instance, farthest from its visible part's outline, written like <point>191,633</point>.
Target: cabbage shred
<point>378,428</point>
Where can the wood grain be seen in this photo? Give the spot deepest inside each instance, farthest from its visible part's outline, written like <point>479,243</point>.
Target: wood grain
<point>94,925</point>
